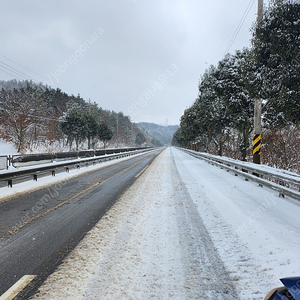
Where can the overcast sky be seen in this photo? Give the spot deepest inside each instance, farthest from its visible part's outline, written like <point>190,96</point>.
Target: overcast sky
<point>142,57</point>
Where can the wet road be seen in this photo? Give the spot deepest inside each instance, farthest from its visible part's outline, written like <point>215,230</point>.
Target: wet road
<point>39,229</point>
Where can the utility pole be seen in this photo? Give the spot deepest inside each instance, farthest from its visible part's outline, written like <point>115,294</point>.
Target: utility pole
<point>260,10</point>
<point>117,129</point>
<point>257,105</point>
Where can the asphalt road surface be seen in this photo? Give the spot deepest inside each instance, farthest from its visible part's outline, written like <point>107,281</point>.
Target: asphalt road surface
<point>39,229</point>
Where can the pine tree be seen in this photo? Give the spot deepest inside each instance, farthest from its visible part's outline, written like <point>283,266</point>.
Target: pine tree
<point>235,97</point>
<point>140,139</point>
<point>104,133</point>
<point>91,126</point>
<point>74,125</point>
<point>276,50</point>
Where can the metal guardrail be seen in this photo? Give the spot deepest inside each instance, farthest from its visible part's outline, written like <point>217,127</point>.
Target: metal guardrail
<point>284,182</point>
<point>53,168</point>
<point>20,160</point>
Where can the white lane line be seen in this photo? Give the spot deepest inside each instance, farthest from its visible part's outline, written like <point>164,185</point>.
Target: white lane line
<point>17,287</point>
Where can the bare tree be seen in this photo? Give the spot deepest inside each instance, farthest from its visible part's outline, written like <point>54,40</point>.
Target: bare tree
<point>18,117</point>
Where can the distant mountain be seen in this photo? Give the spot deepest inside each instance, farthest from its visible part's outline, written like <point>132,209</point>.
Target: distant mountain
<point>161,133</point>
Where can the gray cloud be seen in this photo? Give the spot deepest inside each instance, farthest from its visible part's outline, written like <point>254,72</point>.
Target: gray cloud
<point>140,43</point>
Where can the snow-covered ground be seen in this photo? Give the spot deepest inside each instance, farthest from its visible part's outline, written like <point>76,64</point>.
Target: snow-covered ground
<point>7,148</point>
<point>274,171</point>
<point>184,230</point>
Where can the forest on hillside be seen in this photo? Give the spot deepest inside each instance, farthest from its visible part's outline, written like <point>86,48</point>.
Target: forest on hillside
<point>220,121</point>
<point>35,117</point>
<point>161,133</point>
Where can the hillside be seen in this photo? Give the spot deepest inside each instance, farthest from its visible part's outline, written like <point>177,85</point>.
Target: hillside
<point>161,133</point>
<point>37,118</point>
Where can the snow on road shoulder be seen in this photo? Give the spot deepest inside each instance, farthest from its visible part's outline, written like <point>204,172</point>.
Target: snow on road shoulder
<point>255,231</point>
<point>152,244</point>
<point>28,186</point>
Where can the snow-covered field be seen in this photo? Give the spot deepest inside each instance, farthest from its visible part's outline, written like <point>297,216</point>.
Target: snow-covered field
<point>7,148</point>
<point>184,230</point>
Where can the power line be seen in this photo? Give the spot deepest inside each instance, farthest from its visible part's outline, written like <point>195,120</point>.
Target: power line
<point>11,72</point>
<point>23,66</point>
<point>60,119</point>
<point>7,72</point>
<point>239,26</point>
<point>17,74</point>
<point>15,71</point>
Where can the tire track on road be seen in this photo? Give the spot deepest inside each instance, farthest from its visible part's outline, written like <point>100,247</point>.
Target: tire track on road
<point>205,271</point>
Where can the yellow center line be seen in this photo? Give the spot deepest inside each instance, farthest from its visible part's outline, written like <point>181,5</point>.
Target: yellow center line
<point>71,198</point>
<point>56,182</point>
<point>54,208</point>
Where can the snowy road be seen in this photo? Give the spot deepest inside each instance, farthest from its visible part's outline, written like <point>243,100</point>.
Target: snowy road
<point>184,230</point>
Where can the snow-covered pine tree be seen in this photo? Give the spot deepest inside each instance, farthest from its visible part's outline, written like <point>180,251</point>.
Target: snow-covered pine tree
<point>237,103</point>
<point>276,45</point>
<point>74,124</point>
<point>104,133</point>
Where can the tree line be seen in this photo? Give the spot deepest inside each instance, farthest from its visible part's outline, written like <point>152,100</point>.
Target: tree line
<point>34,116</point>
<point>220,120</point>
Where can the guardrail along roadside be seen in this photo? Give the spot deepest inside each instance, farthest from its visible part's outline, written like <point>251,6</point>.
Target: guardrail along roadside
<point>284,182</point>
<point>34,165</point>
